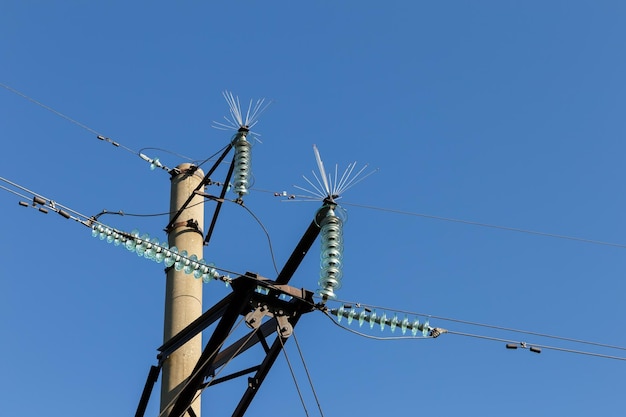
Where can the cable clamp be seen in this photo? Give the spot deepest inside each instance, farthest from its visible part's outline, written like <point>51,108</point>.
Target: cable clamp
<point>436,332</point>
<point>191,224</point>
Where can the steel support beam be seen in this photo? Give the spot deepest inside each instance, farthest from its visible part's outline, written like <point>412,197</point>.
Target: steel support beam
<point>243,290</point>
<point>216,213</point>
<point>153,376</point>
<point>205,320</point>
<point>255,382</point>
<point>298,253</point>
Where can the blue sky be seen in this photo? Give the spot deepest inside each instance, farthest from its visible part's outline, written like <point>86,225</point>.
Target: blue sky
<point>497,112</point>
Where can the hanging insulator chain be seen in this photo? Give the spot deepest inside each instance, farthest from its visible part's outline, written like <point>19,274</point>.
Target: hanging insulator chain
<point>159,252</point>
<point>372,318</point>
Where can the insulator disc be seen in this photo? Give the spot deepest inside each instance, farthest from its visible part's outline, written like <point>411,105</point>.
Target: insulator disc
<point>330,283</point>
<point>332,252</point>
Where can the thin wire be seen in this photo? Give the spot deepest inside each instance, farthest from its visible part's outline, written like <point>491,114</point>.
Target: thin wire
<point>58,113</point>
<point>293,375</point>
<point>578,352</point>
<point>19,93</point>
<point>14,192</point>
<point>90,221</point>
<point>490,338</point>
<point>123,213</point>
<point>454,220</point>
<point>492,226</point>
<point>52,204</point>
<point>269,240</point>
<point>105,211</point>
<point>212,156</point>
<point>308,375</point>
<point>166,151</point>
<point>367,336</point>
<point>490,326</point>
<point>343,301</point>
<point>267,235</point>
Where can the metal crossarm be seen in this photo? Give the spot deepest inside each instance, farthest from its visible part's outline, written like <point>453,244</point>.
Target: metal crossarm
<point>246,300</point>
<point>256,298</point>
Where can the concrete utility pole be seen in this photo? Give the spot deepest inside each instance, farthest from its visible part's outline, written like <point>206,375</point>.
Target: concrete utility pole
<point>183,293</point>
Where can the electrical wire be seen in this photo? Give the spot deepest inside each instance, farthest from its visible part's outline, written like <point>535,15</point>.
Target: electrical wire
<point>492,226</point>
<point>212,156</point>
<point>293,375</point>
<point>308,375</point>
<point>79,217</point>
<point>123,213</point>
<point>69,119</point>
<point>154,163</point>
<point>502,328</point>
<point>85,218</point>
<point>269,240</point>
<point>293,198</point>
<point>32,100</point>
<point>167,151</point>
<point>490,326</point>
<point>560,349</point>
<point>260,223</point>
<point>448,219</point>
<point>14,192</point>
<point>489,338</point>
<point>54,205</point>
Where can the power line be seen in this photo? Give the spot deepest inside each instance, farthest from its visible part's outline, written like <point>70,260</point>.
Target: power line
<point>41,200</point>
<point>269,240</point>
<point>492,226</point>
<point>306,369</point>
<point>467,322</point>
<point>292,198</point>
<point>560,349</point>
<point>123,213</point>
<point>154,163</point>
<point>83,218</point>
<point>167,151</point>
<point>533,346</point>
<point>490,326</point>
<point>213,156</point>
<point>58,113</point>
<point>293,375</point>
<point>69,119</point>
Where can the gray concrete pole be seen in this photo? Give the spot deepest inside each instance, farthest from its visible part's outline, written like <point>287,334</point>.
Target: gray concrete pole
<point>183,293</point>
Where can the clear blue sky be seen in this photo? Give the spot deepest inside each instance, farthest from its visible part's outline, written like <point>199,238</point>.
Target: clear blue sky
<point>499,112</point>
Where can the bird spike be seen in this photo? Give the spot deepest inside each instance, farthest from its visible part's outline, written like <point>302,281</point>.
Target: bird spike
<point>328,186</point>
<point>236,122</point>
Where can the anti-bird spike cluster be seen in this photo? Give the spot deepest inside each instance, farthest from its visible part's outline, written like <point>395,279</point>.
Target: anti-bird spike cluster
<point>328,187</point>
<point>242,126</point>
<point>159,252</point>
<point>331,218</point>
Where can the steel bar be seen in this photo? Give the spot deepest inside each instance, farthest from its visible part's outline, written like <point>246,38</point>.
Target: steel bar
<point>243,289</point>
<point>153,376</point>
<point>205,320</point>
<point>298,253</point>
<point>202,184</point>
